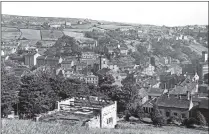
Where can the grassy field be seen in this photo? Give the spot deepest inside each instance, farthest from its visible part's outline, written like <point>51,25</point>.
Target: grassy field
<point>30,34</point>
<point>82,26</point>
<point>9,29</point>
<point>78,30</point>
<point>51,34</point>
<point>73,34</point>
<point>112,27</point>
<point>30,127</point>
<point>10,35</point>
<point>31,43</point>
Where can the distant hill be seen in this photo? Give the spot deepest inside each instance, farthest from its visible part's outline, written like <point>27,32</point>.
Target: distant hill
<point>158,40</point>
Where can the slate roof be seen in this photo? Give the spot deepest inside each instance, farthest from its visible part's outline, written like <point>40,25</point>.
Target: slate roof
<point>31,54</point>
<point>172,102</point>
<point>81,64</point>
<point>52,58</point>
<point>155,91</point>
<point>40,58</point>
<point>183,89</point>
<point>67,62</point>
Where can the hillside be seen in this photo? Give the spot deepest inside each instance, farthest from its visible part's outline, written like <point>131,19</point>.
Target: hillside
<point>182,43</point>
<point>30,127</point>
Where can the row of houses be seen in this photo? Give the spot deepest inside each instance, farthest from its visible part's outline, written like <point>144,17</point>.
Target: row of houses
<point>181,101</point>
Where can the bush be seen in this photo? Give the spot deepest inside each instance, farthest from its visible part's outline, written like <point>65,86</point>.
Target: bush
<point>127,115</point>
<point>174,119</point>
<point>156,117</point>
<point>189,123</point>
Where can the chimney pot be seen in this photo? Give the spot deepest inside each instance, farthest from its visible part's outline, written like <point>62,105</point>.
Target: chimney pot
<point>188,95</point>
<point>168,95</point>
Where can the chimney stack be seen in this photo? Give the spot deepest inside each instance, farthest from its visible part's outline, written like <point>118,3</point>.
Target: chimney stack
<point>168,94</point>
<point>179,96</point>
<point>204,56</point>
<point>188,95</point>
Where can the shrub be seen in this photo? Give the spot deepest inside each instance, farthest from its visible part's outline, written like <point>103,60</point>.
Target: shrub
<point>189,123</point>
<point>127,115</point>
<point>156,117</point>
<point>174,119</point>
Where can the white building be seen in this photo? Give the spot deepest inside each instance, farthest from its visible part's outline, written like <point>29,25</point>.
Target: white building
<point>104,112</point>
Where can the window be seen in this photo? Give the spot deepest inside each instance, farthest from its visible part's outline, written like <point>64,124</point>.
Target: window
<point>183,115</point>
<point>109,120</point>
<point>175,114</point>
<point>167,114</point>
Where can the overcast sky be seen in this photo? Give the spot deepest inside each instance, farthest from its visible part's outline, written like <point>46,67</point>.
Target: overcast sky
<point>155,13</point>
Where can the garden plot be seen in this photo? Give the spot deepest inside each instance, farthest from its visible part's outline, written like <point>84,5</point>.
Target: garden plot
<point>11,35</point>
<point>9,29</point>
<point>29,43</point>
<point>78,30</point>
<point>30,34</point>
<point>51,34</point>
<point>73,34</point>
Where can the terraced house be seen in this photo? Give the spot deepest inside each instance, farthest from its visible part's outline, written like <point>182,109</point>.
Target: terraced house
<point>48,60</point>
<point>87,43</point>
<point>90,78</point>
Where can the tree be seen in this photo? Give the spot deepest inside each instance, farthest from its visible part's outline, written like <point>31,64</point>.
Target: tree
<point>156,116</point>
<point>39,44</point>
<point>201,119</point>
<point>189,123</point>
<point>64,46</point>
<point>106,79</point>
<point>130,100</point>
<point>9,92</point>
<point>36,95</point>
<point>129,79</point>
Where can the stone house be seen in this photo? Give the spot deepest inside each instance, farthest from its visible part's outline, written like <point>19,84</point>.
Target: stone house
<point>41,61</point>
<point>67,64</point>
<point>90,78</point>
<point>80,66</point>
<point>87,43</point>
<point>48,60</point>
<point>155,93</point>
<point>52,60</point>
<point>177,106</point>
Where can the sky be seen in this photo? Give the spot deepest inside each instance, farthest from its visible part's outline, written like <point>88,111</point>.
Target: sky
<point>154,13</point>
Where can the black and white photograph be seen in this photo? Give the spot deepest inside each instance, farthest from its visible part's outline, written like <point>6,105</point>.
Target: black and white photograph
<point>104,67</point>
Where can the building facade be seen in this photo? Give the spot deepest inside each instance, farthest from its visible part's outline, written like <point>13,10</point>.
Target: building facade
<point>30,59</point>
<point>103,112</point>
